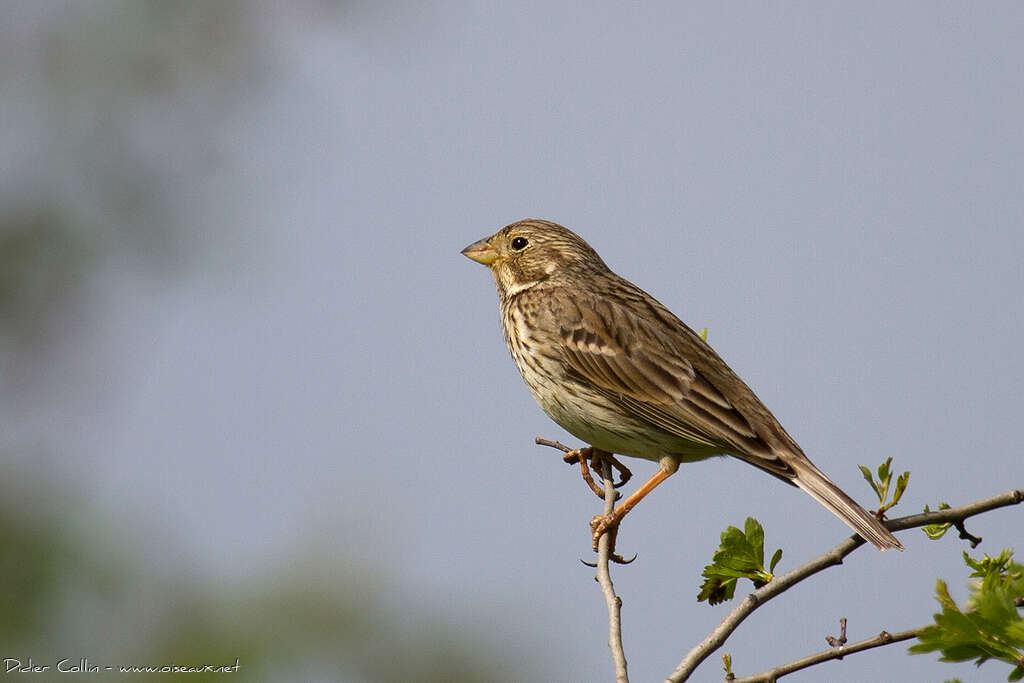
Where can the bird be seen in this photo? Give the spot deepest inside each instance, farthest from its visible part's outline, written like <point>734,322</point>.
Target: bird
<point>618,370</point>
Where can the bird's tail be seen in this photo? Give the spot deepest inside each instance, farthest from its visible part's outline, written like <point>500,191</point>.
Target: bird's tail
<point>813,481</point>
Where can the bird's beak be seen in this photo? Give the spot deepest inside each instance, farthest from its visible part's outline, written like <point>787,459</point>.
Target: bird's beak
<point>481,252</point>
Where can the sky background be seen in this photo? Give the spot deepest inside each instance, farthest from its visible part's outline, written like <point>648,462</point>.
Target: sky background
<point>271,348</point>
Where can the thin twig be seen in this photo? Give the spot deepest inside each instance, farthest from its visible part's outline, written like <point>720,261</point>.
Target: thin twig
<point>779,584</point>
<point>604,577</point>
<point>883,638</point>
<point>841,640</point>
<point>554,444</point>
<point>966,535</point>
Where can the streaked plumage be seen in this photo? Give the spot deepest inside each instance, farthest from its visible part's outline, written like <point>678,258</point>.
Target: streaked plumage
<point>615,368</point>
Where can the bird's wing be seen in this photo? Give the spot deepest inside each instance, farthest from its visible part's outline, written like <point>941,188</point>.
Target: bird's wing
<point>646,365</point>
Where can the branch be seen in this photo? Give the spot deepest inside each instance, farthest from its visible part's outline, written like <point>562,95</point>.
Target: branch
<point>604,577</point>
<point>959,514</point>
<point>883,638</point>
<point>779,584</point>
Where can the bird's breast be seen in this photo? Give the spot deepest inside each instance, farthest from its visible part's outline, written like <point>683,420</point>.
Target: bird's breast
<point>575,406</point>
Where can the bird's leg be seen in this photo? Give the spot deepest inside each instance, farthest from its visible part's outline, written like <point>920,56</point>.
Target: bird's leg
<point>601,524</point>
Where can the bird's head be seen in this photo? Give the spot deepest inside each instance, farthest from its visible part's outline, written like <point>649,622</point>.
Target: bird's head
<point>531,251</point>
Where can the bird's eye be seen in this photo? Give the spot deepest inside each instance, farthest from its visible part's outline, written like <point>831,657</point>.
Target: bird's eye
<point>519,243</point>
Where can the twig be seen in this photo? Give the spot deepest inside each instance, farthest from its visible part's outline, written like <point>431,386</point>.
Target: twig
<point>967,535</point>
<point>554,444</point>
<point>841,640</point>
<point>604,577</point>
<point>958,514</point>
<point>883,638</point>
<point>779,584</point>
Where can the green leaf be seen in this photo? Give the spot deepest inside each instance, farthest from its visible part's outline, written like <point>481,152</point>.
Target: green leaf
<point>881,487</point>
<point>715,590</point>
<point>755,538</point>
<point>991,628</point>
<point>937,531</point>
<point>901,486</point>
<point>884,477</point>
<point>990,566</point>
<point>739,556</point>
<point>871,481</point>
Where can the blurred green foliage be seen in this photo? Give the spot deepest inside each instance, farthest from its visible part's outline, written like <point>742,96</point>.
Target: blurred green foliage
<point>118,110</point>
<point>40,262</point>
<point>991,626</point>
<point>66,591</point>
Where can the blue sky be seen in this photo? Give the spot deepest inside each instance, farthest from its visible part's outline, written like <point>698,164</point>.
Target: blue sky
<point>834,190</point>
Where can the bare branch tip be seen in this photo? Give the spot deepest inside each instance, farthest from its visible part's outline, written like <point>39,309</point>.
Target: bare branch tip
<point>975,541</point>
<point>841,640</point>
<point>553,444</point>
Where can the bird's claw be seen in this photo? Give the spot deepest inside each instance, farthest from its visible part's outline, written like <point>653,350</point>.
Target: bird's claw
<point>587,458</point>
<point>581,456</point>
<point>608,524</point>
<point>604,524</point>
<point>596,457</point>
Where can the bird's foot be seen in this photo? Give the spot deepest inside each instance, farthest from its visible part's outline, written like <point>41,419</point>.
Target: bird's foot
<point>581,456</point>
<point>591,458</point>
<point>603,524</point>
<point>608,524</point>
<point>598,456</point>
<point>595,456</point>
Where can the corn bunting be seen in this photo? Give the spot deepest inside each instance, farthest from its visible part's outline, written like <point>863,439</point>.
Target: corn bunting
<point>618,370</point>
